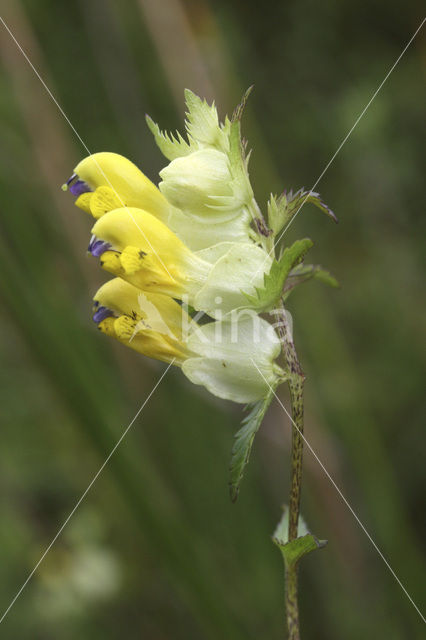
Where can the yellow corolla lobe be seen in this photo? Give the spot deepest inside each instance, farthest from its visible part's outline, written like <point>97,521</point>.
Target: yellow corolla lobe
<point>99,202</point>
<point>107,327</point>
<point>110,261</point>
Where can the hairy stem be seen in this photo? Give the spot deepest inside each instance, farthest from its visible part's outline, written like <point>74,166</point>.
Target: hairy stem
<point>291,606</point>
<point>296,384</point>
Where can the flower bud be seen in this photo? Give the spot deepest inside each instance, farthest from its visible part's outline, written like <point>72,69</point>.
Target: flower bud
<point>107,181</point>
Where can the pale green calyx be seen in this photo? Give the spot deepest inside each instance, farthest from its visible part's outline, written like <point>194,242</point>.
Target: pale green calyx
<point>236,360</point>
<point>198,182</point>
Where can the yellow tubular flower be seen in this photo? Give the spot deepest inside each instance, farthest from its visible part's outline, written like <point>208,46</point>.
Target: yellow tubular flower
<point>136,246</point>
<point>106,181</point>
<point>235,361</point>
<point>148,323</point>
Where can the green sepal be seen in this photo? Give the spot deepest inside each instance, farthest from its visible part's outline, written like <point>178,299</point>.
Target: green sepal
<point>282,210</point>
<point>300,546</point>
<point>274,281</point>
<point>303,273</point>
<point>243,441</point>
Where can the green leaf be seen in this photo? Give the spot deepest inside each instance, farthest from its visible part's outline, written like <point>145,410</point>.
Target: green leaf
<point>243,442</point>
<point>274,281</point>
<point>282,210</point>
<point>300,546</point>
<point>304,272</point>
<point>170,146</point>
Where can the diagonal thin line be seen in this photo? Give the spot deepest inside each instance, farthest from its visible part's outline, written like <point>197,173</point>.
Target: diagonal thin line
<point>339,491</point>
<point>343,142</point>
<point>81,140</point>
<point>84,494</point>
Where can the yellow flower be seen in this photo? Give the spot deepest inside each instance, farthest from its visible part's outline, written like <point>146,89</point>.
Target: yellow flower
<point>106,181</point>
<point>147,322</point>
<point>233,360</point>
<point>135,245</point>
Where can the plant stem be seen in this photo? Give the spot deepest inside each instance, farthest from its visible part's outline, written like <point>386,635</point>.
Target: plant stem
<point>265,234</point>
<point>291,606</point>
<point>296,385</point>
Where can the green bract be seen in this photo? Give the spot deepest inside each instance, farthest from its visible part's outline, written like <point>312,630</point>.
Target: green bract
<point>207,178</point>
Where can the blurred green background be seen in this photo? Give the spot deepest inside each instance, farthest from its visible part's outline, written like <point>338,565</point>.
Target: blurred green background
<point>157,550</point>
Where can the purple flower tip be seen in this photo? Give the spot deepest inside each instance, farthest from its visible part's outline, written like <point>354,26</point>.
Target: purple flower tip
<point>97,247</point>
<point>101,313</point>
<point>79,187</point>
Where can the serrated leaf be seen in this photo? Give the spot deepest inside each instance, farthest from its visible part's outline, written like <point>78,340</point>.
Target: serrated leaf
<point>282,210</point>
<point>243,443</point>
<point>202,123</point>
<point>171,146</point>
<point>300,546</point>
<point>274,281</point>
<point>304,273</point>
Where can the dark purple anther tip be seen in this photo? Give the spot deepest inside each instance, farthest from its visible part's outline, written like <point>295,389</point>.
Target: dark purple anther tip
<point>79,187</point>
<point>101,313</point>
<point>98,247</point>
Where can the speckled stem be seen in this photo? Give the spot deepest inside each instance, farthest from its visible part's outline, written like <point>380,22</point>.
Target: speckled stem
<point>296,384</point>
<point>291,606</point>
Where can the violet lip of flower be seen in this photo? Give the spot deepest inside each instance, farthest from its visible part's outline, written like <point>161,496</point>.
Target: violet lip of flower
<point>97,247</point>
<point>101,313</point>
